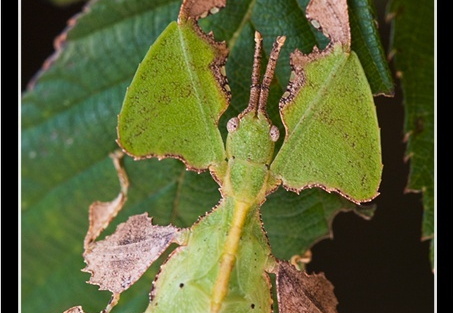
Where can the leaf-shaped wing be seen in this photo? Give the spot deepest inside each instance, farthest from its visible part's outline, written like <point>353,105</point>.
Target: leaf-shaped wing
<point>175,100</point>
<point>332,135</point>
<point>119,260</point>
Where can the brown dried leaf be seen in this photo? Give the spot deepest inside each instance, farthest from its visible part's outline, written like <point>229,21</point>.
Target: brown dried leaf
<point>118,261</point>
<point>298,292</point>
<point>101,213</point>
<point>200,8</point>
<point>75,309</point>
<point>332,16</point>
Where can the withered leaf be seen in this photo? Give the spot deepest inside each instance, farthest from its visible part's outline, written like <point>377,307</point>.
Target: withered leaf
<point>75,309</point>
<point>200,8</point>
<point>119,260</point>
<point>101,213</point>
<point>298,292</point>
<point>332,16</point>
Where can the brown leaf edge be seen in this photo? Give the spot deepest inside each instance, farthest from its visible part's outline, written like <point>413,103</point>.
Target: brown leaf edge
<point>190,12</point>
<point>299,292</point>
<point>196,9</point>
<point>102,213</point>
<point>331,17</point>
<point>59,44</point>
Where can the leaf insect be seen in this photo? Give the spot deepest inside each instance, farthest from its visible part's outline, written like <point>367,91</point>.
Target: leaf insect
<point>172,109</point>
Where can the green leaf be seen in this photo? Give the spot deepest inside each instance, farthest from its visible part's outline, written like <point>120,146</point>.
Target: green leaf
<point>366,43</point>
<point>68,124</point>
<point>413,46</point>
<point>294,222</point>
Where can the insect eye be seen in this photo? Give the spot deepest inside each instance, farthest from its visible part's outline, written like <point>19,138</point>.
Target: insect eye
<point>233,124</point>
<point>274,133</point>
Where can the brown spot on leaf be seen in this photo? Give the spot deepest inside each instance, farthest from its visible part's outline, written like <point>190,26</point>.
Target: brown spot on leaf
<point>121,259</point>
<point>298,292</point>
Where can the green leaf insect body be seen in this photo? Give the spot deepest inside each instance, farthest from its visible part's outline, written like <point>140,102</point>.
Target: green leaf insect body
<point>172,109</point>
<point>201,271</point>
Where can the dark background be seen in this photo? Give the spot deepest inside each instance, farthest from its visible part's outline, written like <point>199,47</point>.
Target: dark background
<point>379,265</point>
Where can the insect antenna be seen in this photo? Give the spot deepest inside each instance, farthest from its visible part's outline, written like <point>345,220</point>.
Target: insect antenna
<point>269,74</point>
<point>256,71</point>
